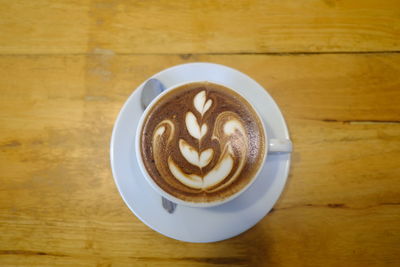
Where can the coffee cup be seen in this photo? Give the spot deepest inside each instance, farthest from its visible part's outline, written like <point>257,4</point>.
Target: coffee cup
<point>202,144</point>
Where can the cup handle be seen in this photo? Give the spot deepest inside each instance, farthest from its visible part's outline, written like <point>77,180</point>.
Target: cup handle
<point>280,145</point>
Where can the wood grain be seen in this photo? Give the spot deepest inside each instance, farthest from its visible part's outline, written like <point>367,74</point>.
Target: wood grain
<point>67,67</point>
<point>79,27</point>
<point>60,207</point>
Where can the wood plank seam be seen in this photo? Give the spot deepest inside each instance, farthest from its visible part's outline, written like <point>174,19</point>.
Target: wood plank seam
<point>360,121</point>
<point>335,206</point>
<point>188,55</point>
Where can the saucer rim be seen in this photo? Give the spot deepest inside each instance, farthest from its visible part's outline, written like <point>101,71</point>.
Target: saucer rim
<point>284,175</point>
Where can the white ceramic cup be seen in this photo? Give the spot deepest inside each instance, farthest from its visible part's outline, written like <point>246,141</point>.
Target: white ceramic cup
<point>273,146</point>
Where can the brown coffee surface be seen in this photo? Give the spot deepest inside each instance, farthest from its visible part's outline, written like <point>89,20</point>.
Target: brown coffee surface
<point>202,142</point>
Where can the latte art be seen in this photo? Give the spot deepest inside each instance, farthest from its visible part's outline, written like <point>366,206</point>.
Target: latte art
<point>202,143</point>
<point>227,128</point>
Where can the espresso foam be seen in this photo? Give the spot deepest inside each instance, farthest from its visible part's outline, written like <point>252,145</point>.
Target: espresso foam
<point>202,142</point>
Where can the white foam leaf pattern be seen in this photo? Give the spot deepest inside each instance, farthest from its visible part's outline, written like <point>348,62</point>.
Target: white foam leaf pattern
<point>205,157</point>
<point>222,168</point>
<point>229,128</point>
<point>215,176</point>
<point>219,172</point>
<point>207,106</point>
<point>200,103</point>
<point>160,130</point>
<point>190,180</point>
<point>193,127</point>
<point>193,157</point>
<point>222,173</point>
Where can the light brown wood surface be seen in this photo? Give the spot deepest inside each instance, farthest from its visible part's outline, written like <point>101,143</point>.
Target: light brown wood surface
<point>181,26</point>
<point>66,69</point>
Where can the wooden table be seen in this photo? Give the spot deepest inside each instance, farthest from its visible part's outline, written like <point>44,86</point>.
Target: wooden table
<point>66,68</point>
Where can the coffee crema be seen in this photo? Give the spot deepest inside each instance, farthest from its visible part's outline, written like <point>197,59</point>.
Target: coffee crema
<point>202,142</point>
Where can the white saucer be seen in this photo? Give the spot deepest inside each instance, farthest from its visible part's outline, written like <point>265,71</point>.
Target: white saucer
<point>200,224</point>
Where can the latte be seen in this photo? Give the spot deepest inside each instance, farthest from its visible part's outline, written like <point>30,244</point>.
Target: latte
<point>202,142</point>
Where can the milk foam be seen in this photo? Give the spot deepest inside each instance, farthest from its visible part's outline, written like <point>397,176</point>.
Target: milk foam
<point>193,156</point>
<point>193,127</point>
<point>227,125</point>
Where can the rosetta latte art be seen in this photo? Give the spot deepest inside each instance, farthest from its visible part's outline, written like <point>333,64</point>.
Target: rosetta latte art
<point>228,131</point>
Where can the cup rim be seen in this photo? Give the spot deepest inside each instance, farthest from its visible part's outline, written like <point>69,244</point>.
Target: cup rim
<point>165,194</point>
